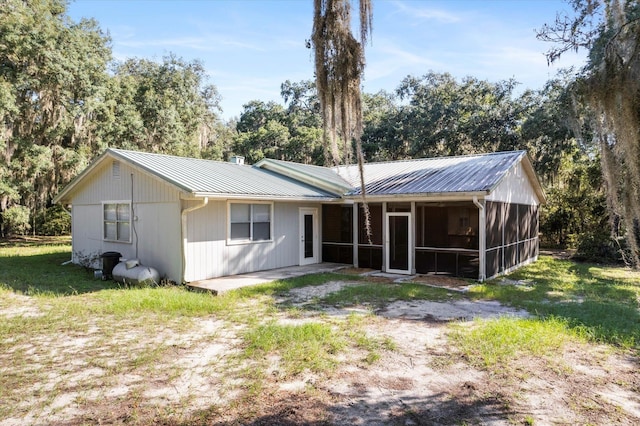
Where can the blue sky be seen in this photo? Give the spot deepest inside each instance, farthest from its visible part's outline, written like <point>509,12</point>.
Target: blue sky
<point>249,47</point>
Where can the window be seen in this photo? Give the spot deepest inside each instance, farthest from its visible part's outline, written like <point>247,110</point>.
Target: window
<point>116,219</point>
<point>249,222</point>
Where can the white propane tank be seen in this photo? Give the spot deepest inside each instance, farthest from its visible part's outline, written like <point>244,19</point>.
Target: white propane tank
<point>131,272</point>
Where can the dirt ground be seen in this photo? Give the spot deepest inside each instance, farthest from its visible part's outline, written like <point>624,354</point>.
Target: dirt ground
<point>423,381</point>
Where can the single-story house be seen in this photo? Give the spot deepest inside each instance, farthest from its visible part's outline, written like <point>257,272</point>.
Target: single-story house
<point>191,219</point>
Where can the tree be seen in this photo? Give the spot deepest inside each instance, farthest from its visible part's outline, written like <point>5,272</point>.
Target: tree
<point>60,107</point>
<point>447,117</point>
<point>384,119</point>
<point>52,72</point>
<point>339,66</point>
<point>269,130</point>
<point>553,125</point>
<point>159,107</point>
<point>576,214</point>
<point>610,86</point>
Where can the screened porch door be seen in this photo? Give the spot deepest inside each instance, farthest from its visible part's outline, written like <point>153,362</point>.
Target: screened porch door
<point>398,243</point>
<point>308,236</point>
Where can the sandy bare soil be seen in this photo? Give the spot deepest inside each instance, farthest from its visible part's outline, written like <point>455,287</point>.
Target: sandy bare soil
<point>423,381</point>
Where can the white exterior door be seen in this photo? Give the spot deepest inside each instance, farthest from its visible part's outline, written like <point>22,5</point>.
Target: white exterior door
<point>399,243</point>
<point>309,236</point>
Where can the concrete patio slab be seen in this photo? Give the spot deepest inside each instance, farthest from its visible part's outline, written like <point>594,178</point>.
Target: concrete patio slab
<point>222,284</point>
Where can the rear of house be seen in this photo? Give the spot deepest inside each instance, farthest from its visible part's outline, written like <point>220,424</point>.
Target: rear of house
<point>193,219</point>
<point>472,216</point>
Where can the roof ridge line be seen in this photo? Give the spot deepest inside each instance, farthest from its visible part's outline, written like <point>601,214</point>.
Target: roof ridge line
<point>159,154</point>
<point>410,160</point>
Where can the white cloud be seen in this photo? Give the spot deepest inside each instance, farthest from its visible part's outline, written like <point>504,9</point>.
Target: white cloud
<point>389,59</point>
<point>427,13</point>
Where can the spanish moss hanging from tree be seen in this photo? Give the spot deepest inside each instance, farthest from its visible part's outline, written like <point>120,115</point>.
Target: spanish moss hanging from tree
<point>339,67</point>
<point>610,30</point>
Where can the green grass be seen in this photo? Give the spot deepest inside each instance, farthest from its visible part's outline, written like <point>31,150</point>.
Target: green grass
<point>37,270</point>
<point>492,343</point>
<point>574,302</point>
<point>601,302</point>
<point>311,346</point>
<point>67,302</point>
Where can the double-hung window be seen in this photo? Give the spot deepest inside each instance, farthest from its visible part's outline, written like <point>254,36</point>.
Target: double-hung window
<point>116,219</point>
<point>249,222</point>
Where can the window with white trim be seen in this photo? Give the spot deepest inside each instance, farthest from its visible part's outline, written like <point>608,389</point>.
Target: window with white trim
<point>249,222</point>
<point>116,219</point>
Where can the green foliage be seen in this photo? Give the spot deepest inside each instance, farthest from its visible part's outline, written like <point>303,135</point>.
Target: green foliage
<point>447,117</point>
<point>576,214</point>
<point>268,130</point>
<point>61,109</point>
<point>47,98</point>
<point>551,127</point>
<point>15,220</point>
<point>54,220</point>
<point>159,107</point>
<point>608,87</point>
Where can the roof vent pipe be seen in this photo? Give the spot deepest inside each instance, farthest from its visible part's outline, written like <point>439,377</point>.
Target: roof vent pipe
<point>237,159</point>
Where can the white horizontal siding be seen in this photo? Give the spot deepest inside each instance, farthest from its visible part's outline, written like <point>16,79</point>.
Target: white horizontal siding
<point>208,254</point>
<point>515,188</point>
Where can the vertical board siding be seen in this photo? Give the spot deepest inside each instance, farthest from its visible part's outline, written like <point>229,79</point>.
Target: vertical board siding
<point>209,256</point>
<point>102,185</point>
<point>155,205</point>
<point>157,229</point>
<point>86,231</point>
<point>515,188</point>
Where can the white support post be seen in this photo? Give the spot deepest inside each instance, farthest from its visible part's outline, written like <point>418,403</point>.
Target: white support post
<point>384,236</point>
<point>482,239</point>
<point>413,237</point>
<point>354,231</point>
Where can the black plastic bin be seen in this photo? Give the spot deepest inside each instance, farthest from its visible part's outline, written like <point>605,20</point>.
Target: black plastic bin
<point>109,261</point>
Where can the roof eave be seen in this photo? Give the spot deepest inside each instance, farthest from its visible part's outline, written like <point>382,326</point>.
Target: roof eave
<point>421,196</point>
<point>229,196</point>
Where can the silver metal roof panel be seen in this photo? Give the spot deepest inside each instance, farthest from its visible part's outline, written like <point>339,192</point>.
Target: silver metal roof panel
<point>208,177</point>
<point>470,173</point>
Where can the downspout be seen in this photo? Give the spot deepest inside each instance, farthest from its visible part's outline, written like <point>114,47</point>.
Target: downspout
<point>482,239</point>
<point>183,217</point>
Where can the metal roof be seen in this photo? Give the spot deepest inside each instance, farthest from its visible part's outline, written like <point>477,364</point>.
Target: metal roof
<point>462,174</point>
<point>314,175</point>
<point>201,177</point>
<point>274,179</point>
<point>208,177</point>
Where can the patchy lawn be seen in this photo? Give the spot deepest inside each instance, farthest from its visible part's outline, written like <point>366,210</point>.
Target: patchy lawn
<point>554,343</point>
